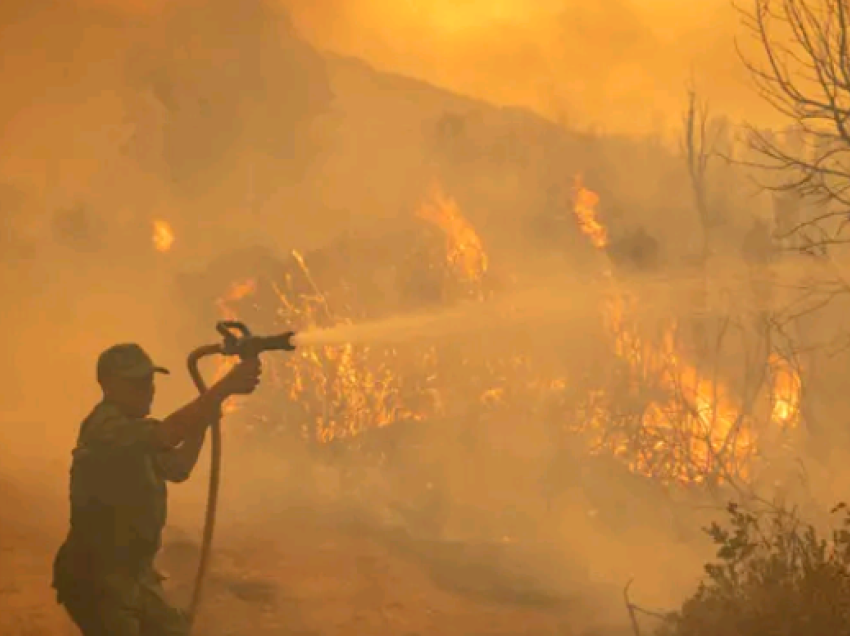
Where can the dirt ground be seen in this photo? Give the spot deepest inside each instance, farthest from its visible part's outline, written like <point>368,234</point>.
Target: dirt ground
<point>316,574</point>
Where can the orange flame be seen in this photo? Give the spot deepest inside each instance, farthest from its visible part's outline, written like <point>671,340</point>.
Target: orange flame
<point>697,430</point>
<point>237,292</point>
<point>585,203</point>
<point>339,391</point>
<point>163,236</point>
<point>691,427</point>
<point>785,393</point>
<point>344,390</point>
<point>464,247</point>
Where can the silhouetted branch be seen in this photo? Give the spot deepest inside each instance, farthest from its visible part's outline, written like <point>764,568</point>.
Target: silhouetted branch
<point>804,74</point>
<point>698,144</point>
<point>631,609</point>
<point>634,610</point>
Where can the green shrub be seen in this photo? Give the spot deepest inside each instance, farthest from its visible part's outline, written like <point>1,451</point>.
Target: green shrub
<point>773,576</point>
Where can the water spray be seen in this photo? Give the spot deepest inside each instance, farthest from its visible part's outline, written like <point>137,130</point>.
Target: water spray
<point>237,340</point>
<point>497,317</point>
<point>557,303</point>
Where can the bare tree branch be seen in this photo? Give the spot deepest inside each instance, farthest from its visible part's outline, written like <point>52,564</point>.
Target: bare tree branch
<point>804,73</point>
<point>699,145</point>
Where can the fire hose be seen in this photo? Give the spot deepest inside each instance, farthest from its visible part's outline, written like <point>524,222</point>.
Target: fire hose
<point>237,340</point>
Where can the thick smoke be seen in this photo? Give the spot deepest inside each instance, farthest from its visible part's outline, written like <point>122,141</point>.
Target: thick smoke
<point>250,142</point>
<point>615,65</point>
<point>111,119</point>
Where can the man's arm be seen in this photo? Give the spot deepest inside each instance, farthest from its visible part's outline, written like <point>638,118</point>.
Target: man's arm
<point>188,424</point>
<point>177,464</point>
<point>180,436</point>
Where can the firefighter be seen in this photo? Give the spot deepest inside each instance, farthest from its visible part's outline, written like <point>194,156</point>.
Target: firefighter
<point>103,573</point>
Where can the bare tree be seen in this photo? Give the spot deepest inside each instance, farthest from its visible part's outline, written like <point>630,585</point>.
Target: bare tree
<point>802,68</point>
<point>698,144</point>
<point>701,134</point>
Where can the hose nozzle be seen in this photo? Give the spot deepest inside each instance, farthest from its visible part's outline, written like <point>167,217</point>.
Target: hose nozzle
<point>246,345</point>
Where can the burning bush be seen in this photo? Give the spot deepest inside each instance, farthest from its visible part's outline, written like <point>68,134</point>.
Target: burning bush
<point>773,575</point>
<point>644,394</point>
<point>342,391</point>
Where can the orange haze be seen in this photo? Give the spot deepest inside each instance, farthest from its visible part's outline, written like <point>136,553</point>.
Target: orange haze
<point>615,65</point>
<point>611,64</point>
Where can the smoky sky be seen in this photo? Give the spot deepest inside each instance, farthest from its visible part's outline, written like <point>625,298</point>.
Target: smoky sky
<point>619,65</point>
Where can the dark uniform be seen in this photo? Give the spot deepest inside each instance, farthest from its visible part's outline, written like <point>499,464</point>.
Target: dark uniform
<point>103,573</point>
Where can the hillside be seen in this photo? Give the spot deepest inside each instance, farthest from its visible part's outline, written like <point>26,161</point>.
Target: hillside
<point>511,170</point>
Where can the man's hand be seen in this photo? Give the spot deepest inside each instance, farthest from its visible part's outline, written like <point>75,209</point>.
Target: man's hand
<point>189,423</point>
<point>241,379</point>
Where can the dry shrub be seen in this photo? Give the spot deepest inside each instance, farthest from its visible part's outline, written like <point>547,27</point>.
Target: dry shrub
<point>773,575</point>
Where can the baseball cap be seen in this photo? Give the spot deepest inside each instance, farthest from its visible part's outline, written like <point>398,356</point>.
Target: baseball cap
<point>127,361</point>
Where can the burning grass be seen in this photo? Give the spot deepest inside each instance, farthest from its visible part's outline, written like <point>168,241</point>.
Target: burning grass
<point>696,429</point>
<point>654,402</point>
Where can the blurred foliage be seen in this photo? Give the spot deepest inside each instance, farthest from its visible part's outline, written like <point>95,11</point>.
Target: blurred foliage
<point>773,575</point>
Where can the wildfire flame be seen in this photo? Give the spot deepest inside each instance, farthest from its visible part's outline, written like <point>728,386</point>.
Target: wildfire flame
<point>237,292</point>
<point>341,391</point>
<point>785,396</point>
<point>336,391</point>
<point>464,248</point>
<point>585,203</point>
<point>698,431</point>
<point>163,236</point>
<point>690,426</point>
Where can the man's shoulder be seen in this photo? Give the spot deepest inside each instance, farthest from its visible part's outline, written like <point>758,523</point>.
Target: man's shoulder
<point>105,411</point>
<point>102,415</point>
<point>107,424</point>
